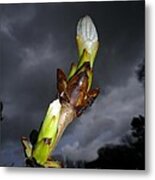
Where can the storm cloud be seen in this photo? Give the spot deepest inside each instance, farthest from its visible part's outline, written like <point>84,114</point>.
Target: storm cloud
<point>36,39</point>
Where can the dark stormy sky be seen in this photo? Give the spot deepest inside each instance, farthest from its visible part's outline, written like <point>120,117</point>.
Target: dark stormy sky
<point>36,39</point>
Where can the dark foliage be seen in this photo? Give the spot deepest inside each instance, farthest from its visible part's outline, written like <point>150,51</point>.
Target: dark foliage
<point>130,155</point>
<point>141,72</point>
<point>1,110</point>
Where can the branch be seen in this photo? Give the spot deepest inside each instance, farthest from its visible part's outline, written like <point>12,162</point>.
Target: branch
<point>74,96</point>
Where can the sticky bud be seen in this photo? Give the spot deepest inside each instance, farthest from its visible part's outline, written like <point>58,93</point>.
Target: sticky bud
<point>87,38</point>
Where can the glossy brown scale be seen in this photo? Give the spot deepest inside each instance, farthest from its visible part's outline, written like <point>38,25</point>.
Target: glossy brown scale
<point>75,91</point>
<point>91,95</point>
<point>61,81</point>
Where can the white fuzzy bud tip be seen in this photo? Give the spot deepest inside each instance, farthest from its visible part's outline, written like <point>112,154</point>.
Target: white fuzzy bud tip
<point>87,30</point>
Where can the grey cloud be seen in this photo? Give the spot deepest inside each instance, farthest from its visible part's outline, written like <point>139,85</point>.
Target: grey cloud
<point>23,94</point>
<point>39,38</point>
<point>11,155</point>
<point>107,121</point>
<point>12,18</point>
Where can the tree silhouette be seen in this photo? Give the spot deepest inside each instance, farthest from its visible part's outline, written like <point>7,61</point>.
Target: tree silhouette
<point>140,71</point>
<point>1,110</point>
<point>129,155</point>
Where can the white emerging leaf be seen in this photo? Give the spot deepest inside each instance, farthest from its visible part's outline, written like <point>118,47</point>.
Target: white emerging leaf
<point>86,30</point>
<point>54,108</point>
